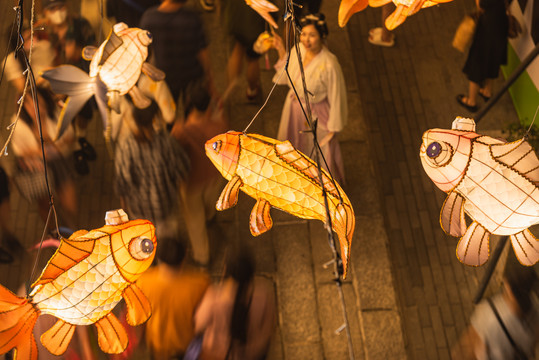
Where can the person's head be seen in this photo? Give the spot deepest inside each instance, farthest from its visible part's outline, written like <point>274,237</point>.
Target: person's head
<point>171,248</point>
<point>313,31</point>
<point>197,97</point>
<point>55,11</point>
<point>520,281</point>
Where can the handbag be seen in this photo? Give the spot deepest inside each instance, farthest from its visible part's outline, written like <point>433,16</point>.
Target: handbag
<point>464,34</point>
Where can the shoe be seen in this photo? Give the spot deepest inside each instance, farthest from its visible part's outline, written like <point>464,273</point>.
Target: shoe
<point>486,98</point>
<point>5,257</point>
<point>375,38</point>
<point>207,5</point>
<point>81,165</point>
<point>471,108</point>
<point>252,94</point>
<point>89,151</point>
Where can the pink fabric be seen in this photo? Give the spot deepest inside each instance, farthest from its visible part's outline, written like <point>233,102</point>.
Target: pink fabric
<point>302,140</point>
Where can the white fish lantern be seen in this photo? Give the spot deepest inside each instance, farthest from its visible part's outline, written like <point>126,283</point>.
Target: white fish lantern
<point>493,181</point>
<point>115,68</point>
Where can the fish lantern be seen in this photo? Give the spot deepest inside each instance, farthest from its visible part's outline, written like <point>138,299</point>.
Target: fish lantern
<point>278,175</point>
<point>263,8</point>
<point>493,181</point>
<point>83,281</point>
<point>115,68</point>
<point>404,9</point>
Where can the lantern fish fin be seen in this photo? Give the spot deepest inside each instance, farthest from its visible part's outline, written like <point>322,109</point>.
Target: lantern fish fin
<point>71,252</point>
<point>72,81</point>
<point>140,100</point>
<point>473,247</point>
<point>112,43</point>
<point>138,307</point>
<point>229,195</point>
<point>111,335</point>
<point>349,8</point>
<point>378,3</point>
<point>88,52</point>
<point>344,222</point>
<point>260,220</point>
<point>17,319</point>
<point>526,247</point>
<point>152,72</point>
<point>396,18</point>
<point>263,8</point>
<point>286,152</point>
<point>58,337</point>
<point>518,155</point>
<point>452,215</point>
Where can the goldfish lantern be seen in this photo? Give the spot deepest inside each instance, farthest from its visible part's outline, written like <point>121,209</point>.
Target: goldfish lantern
<point>404,9</point>
<point>115,68</point>
<point>83,281</point>
<point>276,174</point>
<point>493,181</point>
<point>263,8</point>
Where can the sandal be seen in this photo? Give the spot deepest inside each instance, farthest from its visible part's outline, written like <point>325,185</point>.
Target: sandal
<point>486,98</point>
<point>89,151</point>
<point>375,38</point>
<point>460,100</point>
<point>5,257</point>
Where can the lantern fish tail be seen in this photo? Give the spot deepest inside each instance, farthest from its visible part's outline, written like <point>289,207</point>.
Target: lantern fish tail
<point>344,223</point>
<point>77,85</point>
<point>17,319</point>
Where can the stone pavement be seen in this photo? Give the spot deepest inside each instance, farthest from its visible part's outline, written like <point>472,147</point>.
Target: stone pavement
<point>407,295</point>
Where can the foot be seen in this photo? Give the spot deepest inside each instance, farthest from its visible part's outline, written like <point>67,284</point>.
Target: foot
<point>252,94</point>
<point>486,96</point>
<point>89,151</point>
<point>5,257</point>
<point>376,38</point>
<point>208,5</point>
<point>465,102</point>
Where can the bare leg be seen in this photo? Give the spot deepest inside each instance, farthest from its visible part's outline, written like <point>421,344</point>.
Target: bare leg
<point>253,74</point>
<point>234,66</point>
<point>386,11</point>
<point>473,90</point>
<point>486,90</point>
<point>68,200</point>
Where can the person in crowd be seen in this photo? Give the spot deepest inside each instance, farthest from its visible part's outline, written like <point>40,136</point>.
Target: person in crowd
<point>487,52</point>
<point>243,25</point>
<point>179,46</point>
<point>505,326</point>
<point>237,316</point>
<point>149,165</point>
<point>200,191</point>
<point>129,11</point>
<point>69,34</point>
<point>174,289</point>
<point>381,36</point>
<point>325,81</point>
<point>29,175</point>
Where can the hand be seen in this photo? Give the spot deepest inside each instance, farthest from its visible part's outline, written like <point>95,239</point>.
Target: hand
<point>279,45</point>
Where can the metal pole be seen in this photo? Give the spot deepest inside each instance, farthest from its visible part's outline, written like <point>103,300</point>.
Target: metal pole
<point>514,76</point>
<point>490,269</point>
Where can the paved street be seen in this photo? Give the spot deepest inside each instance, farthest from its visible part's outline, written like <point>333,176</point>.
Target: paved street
<point>407,295</point>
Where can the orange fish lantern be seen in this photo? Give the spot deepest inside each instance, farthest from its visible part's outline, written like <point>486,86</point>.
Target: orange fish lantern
<point>83,281</point>
<point>493,181</point>
<point>276,174</point>
<point>404,9</point>
<point>115,68</point>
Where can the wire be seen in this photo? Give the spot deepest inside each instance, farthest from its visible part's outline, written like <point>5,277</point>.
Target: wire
<point>529,128</point>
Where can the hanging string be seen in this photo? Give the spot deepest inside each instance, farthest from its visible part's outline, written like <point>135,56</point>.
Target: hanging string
<point>530,127</point>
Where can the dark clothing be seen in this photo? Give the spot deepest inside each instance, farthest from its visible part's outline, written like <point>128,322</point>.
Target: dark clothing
<point>489,46</point>
<point>4,185</point>
<point>178,38</point>
<point>243,24</point>
<point>129,11</point>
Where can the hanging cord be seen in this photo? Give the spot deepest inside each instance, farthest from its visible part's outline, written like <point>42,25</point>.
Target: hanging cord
<point>30,82</point>
<point>530,127</point>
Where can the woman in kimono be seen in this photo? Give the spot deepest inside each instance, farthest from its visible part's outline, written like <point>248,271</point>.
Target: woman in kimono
<point>325,83</point>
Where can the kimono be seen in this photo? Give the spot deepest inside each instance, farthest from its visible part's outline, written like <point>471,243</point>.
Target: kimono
<point>325,81</point>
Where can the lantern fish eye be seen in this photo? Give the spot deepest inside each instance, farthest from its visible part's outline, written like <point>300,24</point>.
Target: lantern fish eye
<point>145,37</point>
<point>434,149</point>
<point>216,146</point>
<point>141,248</point>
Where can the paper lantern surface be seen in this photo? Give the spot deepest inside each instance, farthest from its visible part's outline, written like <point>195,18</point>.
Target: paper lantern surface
<point>83,281</point>
<point>115,68</point>
<point>276,174</point>
<point>492,181</point>
<point>404,8</point>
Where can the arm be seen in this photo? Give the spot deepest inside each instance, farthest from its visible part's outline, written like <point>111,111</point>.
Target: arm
<point>338,105</point>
